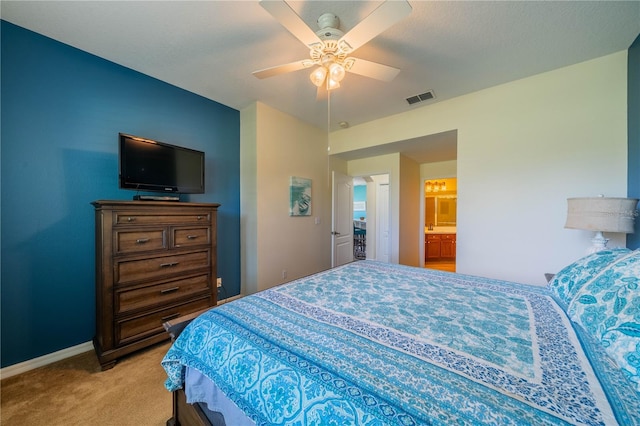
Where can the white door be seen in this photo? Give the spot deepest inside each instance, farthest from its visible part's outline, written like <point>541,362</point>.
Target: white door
<point>383,246</point>
<point>342,220</point>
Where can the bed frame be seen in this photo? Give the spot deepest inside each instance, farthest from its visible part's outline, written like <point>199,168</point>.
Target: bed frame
<point>185,414</point>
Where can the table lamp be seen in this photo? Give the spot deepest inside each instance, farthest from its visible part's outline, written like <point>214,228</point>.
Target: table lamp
<point>601,214</point>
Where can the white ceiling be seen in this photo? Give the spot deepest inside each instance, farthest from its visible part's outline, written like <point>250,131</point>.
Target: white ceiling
<point>451,47</point>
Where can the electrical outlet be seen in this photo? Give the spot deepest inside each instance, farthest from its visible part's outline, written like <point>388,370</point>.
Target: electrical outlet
<point>219,282</point>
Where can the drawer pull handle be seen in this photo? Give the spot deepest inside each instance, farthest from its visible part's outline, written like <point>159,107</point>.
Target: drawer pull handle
<point>170,317</point>
<point>131,219</point>
<point>142,240</point>
<point>169,290</point>
<point>191,237</point>
<point>169,265</point>
<point>200,217</point>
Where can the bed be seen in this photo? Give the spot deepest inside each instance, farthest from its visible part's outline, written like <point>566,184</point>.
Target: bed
<point>374,344</point>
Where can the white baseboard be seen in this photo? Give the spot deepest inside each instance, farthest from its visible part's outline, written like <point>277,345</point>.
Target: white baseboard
<point>229,299</point>
<point>34,363</point>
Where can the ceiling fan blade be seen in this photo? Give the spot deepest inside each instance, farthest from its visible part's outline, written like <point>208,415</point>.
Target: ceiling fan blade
<point>386,15</point>
<point>283,69</point>
<point>372,69</point>
<point>289,19</point>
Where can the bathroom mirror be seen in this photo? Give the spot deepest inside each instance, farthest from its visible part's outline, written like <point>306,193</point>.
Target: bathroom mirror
<point>441,210</point>
<point>446,210</point>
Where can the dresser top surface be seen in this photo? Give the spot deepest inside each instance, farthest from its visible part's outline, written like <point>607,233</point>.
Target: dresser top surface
<point>98,204</point>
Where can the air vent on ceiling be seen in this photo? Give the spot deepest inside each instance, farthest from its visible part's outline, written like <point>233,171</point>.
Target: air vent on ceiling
<point>421,98</point>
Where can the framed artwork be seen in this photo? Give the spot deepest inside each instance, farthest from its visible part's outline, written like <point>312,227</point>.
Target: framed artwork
<point>299,196</point>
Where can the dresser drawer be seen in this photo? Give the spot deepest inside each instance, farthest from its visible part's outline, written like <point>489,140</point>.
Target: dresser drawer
<point>151,323</point>
<point>140,240</point>
<point>150,218</point>
<point>185,237</point>
<point>130,299</point>
<point>448,236</point>
<point>160,266</point>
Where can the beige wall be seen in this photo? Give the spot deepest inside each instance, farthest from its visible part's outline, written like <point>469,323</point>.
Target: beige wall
<point>248,200</point>
<point>439,170</point>
<point>274,147</point>
<point>523,148</point>
<point>411,195</point>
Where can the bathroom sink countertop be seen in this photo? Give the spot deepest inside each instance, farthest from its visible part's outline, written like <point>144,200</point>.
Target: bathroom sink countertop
<point>440,230</point>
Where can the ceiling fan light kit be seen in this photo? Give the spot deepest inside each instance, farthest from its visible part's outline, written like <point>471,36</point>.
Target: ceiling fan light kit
<point>332,84</point>
<point>336,72</point>
<point>329,47</point>
<point>318,75</point>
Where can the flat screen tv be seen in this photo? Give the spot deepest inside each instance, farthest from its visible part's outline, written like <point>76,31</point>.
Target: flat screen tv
<point>148,165</point>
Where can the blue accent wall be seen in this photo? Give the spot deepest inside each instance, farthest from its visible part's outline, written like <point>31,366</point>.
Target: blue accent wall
<point>360,194</point>
<point>62,109</point>
<point>633,120</point>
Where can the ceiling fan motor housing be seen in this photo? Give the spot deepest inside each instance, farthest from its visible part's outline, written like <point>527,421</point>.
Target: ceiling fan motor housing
<point>328,20</point>
<point>329,34</point>
<point>329,23</point>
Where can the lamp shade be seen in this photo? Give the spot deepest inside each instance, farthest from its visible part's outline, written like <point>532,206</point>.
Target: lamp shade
<point>332,84</point>
<point>601,214</point>
<point>318,75</point>
<point>336,71</point>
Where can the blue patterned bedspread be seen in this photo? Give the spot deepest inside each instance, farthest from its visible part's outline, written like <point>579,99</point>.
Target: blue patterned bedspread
<point>371,343</point>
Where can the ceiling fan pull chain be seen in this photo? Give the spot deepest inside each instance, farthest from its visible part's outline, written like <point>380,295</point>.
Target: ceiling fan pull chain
<point>328,131</point>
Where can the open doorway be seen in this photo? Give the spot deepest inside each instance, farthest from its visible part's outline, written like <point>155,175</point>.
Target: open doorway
<point>371,223</point>
<point>440,223</point>
<point>360,218</point>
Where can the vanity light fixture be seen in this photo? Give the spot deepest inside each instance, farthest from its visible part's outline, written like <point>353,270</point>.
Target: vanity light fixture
<point>436,186</point>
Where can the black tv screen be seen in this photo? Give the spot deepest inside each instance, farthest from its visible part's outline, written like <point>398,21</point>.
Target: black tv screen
<point>148,165</point>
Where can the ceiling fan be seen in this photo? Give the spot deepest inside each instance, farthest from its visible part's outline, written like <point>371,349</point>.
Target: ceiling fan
<point>330,47</point>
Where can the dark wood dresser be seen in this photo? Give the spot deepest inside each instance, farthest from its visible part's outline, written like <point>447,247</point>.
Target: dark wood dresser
<point>155,261</point>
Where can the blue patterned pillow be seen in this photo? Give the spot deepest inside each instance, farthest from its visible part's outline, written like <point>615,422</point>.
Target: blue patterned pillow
<point>608,307</point>
<point>566,283</point>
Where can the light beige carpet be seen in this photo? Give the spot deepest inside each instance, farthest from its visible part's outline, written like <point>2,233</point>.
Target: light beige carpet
<point>75,392</point>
